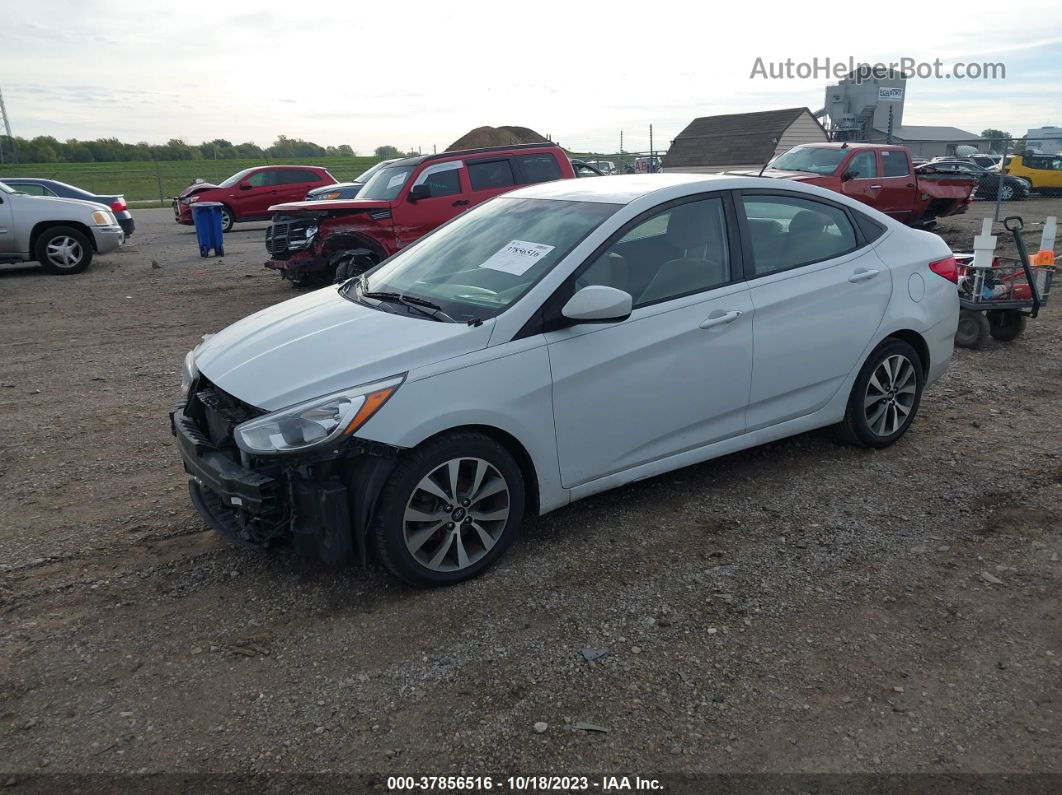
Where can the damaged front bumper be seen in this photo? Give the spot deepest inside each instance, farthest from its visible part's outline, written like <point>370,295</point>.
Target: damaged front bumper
<point>304,266</point>
<point>319,506</point>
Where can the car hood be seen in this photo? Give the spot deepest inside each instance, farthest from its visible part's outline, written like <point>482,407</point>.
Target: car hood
<point>193,189</point>
<point>775,173</point>
<point>320,343</point>
<point>54,200</point>
<point>329,205</point>
<point>334,186</point>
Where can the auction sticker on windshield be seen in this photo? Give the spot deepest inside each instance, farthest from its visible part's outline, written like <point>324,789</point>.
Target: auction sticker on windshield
<point>517,257</point>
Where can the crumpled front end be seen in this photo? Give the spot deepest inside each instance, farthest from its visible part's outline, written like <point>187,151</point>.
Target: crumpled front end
<point>319,503</point>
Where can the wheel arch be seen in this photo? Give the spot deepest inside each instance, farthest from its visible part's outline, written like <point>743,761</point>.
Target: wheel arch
<point>344,240</point>
<point>916,341</point>
<point>515,448</point>
<point>43,226</point>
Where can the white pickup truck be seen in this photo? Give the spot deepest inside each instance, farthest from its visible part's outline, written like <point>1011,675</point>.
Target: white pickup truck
<point>61,234</point>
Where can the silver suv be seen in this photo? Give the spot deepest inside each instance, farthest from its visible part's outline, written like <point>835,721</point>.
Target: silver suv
<point>61,234</point>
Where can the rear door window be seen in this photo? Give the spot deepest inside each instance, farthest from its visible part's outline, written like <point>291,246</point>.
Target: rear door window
<point>787,231</point>
<point>895,163</point>
<point>538,168</point>
<point>290,176</point>
<point>490,174</point>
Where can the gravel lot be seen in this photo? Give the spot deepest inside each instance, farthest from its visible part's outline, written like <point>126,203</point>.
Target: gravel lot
<point>798,607</point>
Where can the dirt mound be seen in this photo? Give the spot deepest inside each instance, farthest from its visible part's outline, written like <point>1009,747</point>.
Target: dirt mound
<point>496,136</point>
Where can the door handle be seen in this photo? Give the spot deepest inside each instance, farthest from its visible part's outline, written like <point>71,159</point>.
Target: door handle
<point>875,187</point>
<point>720,318</point>
<point>863,275</point>
<point>461,203</point>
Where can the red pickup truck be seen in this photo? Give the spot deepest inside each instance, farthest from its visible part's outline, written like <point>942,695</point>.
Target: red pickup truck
<point>323,241</point>
<point>880,175</point>
<point>248,194</point>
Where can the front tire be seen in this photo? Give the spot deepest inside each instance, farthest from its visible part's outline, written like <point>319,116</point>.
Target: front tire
<point>885,396</point>
<point>345,265</point>
<point>227,220</point>
<point>63,250</point>
<point>449,510</point>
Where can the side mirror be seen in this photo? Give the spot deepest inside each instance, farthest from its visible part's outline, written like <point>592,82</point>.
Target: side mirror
<point>246,186</point>
<point>598,304</point>
<point>849,175</point>
<point>418,192</point>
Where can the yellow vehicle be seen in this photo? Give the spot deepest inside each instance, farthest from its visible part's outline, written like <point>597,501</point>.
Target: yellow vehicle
<point>1042,172</point>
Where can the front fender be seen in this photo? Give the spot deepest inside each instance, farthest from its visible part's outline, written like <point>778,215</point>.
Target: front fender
<point>506,387</point>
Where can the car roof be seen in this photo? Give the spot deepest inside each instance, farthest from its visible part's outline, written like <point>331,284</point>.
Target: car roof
<point>846,145</point>
<point>626,189</point>
<point>460,153</point>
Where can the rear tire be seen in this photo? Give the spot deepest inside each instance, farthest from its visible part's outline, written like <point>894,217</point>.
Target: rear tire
<point>422,542</point>
<point>63,250</point>
<point>973,330</point>
<point>885,396</point>
<point>1006,325</point>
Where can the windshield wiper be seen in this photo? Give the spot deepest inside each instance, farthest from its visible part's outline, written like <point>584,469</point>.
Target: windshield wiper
<point>422,305</point>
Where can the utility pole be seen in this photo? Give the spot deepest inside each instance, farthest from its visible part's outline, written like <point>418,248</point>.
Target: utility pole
<point>7,129</point>
<point>650,169</point>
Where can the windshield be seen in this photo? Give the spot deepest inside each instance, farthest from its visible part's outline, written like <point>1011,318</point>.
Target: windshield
<point>365,175</point>
<point>386,183</point>
<point>810,159</point>
<point>5,189</point>
<point>235,178</point>
<point>486,259</point>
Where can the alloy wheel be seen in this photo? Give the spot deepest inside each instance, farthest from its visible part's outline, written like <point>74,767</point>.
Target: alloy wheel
<point>890,396</point>
<point>1006,193</point>
<point>456,514</point>
<point>64,252</point>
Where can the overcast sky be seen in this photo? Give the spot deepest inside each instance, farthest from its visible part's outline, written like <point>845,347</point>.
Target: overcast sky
<point>417,74</point>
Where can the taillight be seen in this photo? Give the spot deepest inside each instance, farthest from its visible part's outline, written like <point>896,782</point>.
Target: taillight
<point>119,205</point>
<point>947,268</point>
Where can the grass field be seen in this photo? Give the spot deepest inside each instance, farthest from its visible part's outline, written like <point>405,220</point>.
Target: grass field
<point>140,181</point>
<point>144,183</point>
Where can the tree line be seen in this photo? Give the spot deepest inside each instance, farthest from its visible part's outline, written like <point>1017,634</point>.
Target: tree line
<point>46,149</point>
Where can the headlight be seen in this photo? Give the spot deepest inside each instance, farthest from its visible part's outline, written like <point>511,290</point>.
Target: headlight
<point>330,195</point>
<point>191,199</point>
<point>316,422</point>
<point>188,372</point>
<point>103,218</point>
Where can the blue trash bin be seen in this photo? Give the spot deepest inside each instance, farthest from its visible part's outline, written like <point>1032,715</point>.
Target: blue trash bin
<point>207,219</point>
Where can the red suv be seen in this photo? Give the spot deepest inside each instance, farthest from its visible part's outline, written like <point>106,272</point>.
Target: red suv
<point>248,194</point>
<point>323,241</point>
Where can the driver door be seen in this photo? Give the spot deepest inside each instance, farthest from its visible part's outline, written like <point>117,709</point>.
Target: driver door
<point>449,197</point>
<point>674,375</point>
<point>864,185</point>
<point>256,194</point>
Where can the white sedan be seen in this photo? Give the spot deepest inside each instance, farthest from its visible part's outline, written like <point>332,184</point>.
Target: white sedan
<point>552,343</point>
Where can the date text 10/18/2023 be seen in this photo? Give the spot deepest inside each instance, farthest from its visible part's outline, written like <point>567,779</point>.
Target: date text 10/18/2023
<point>523,784</point>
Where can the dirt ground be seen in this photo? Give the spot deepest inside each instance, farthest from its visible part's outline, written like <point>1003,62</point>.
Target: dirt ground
<point>801,607</point>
